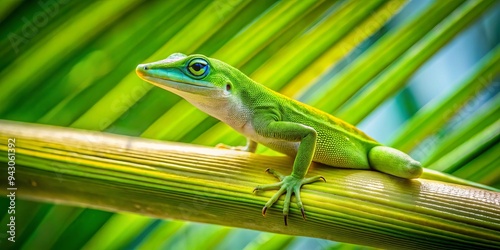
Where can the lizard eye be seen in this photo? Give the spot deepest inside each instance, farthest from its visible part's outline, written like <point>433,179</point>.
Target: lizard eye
<point>198,67</point>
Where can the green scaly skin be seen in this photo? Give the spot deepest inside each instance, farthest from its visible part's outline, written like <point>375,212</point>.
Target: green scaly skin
<point>276,121</point>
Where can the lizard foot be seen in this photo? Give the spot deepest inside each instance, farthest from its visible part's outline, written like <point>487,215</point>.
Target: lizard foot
<point>287,184</point>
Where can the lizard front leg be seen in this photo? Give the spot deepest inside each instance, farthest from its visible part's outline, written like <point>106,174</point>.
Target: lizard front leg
<point>292,132</point>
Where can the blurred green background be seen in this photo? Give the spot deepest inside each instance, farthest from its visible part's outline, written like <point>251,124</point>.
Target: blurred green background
<point>421,76</point>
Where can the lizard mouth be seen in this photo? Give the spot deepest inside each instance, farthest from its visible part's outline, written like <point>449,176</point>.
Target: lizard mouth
<point>177,83</point>
<point>145,73</point>
<point>160,82</point>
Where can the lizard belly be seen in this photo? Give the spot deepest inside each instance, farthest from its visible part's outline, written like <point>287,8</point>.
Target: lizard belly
<point>282,146</point>
<point>332,148</point>
<point>245,127</point>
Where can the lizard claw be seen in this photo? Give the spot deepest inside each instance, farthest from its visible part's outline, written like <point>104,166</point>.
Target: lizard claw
<point>264,209</point>
<point>286,220</point>
<point>303,213</point>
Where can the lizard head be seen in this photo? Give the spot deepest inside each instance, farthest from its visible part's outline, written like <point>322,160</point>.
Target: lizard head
<point>209,84</point>
<point>195,76</point>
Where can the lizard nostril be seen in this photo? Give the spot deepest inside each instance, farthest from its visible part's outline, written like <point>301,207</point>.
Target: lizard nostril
<point>146,68</point>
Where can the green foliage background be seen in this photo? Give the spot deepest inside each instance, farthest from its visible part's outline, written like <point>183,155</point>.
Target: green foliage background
<point>373,63</point>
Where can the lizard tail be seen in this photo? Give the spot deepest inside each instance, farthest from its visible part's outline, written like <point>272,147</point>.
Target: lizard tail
<point>394,162</point>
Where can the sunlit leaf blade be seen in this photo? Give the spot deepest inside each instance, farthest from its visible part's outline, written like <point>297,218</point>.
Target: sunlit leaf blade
<point>270,241</point>
<point>85,226</point>
<point>343,47</point>
<point>157,237</point>
<point>296,56</point>
<point>55,222</point>
<point>7,6</point>
<point>15,78</point>
<point>434,115</point>
<point>29,222</point>
<point>378,57</point>
<point>483,168</point>
<point>483,119</point>
<point>469,149</point>
<point>395,77</point>
<point>235,26</point>
<point>38,22</point>
<point>182,115</point>
<point>117,231</point>
<point>101,67</point>
<point>255,37</point>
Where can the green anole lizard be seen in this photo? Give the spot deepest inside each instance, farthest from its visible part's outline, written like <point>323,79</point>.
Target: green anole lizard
<point>276,121</point>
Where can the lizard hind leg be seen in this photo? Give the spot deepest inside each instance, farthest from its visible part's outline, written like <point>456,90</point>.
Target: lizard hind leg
<point>394,162</point>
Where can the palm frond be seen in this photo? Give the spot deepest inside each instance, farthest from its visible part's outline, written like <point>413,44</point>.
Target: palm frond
<point>119,173</point>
